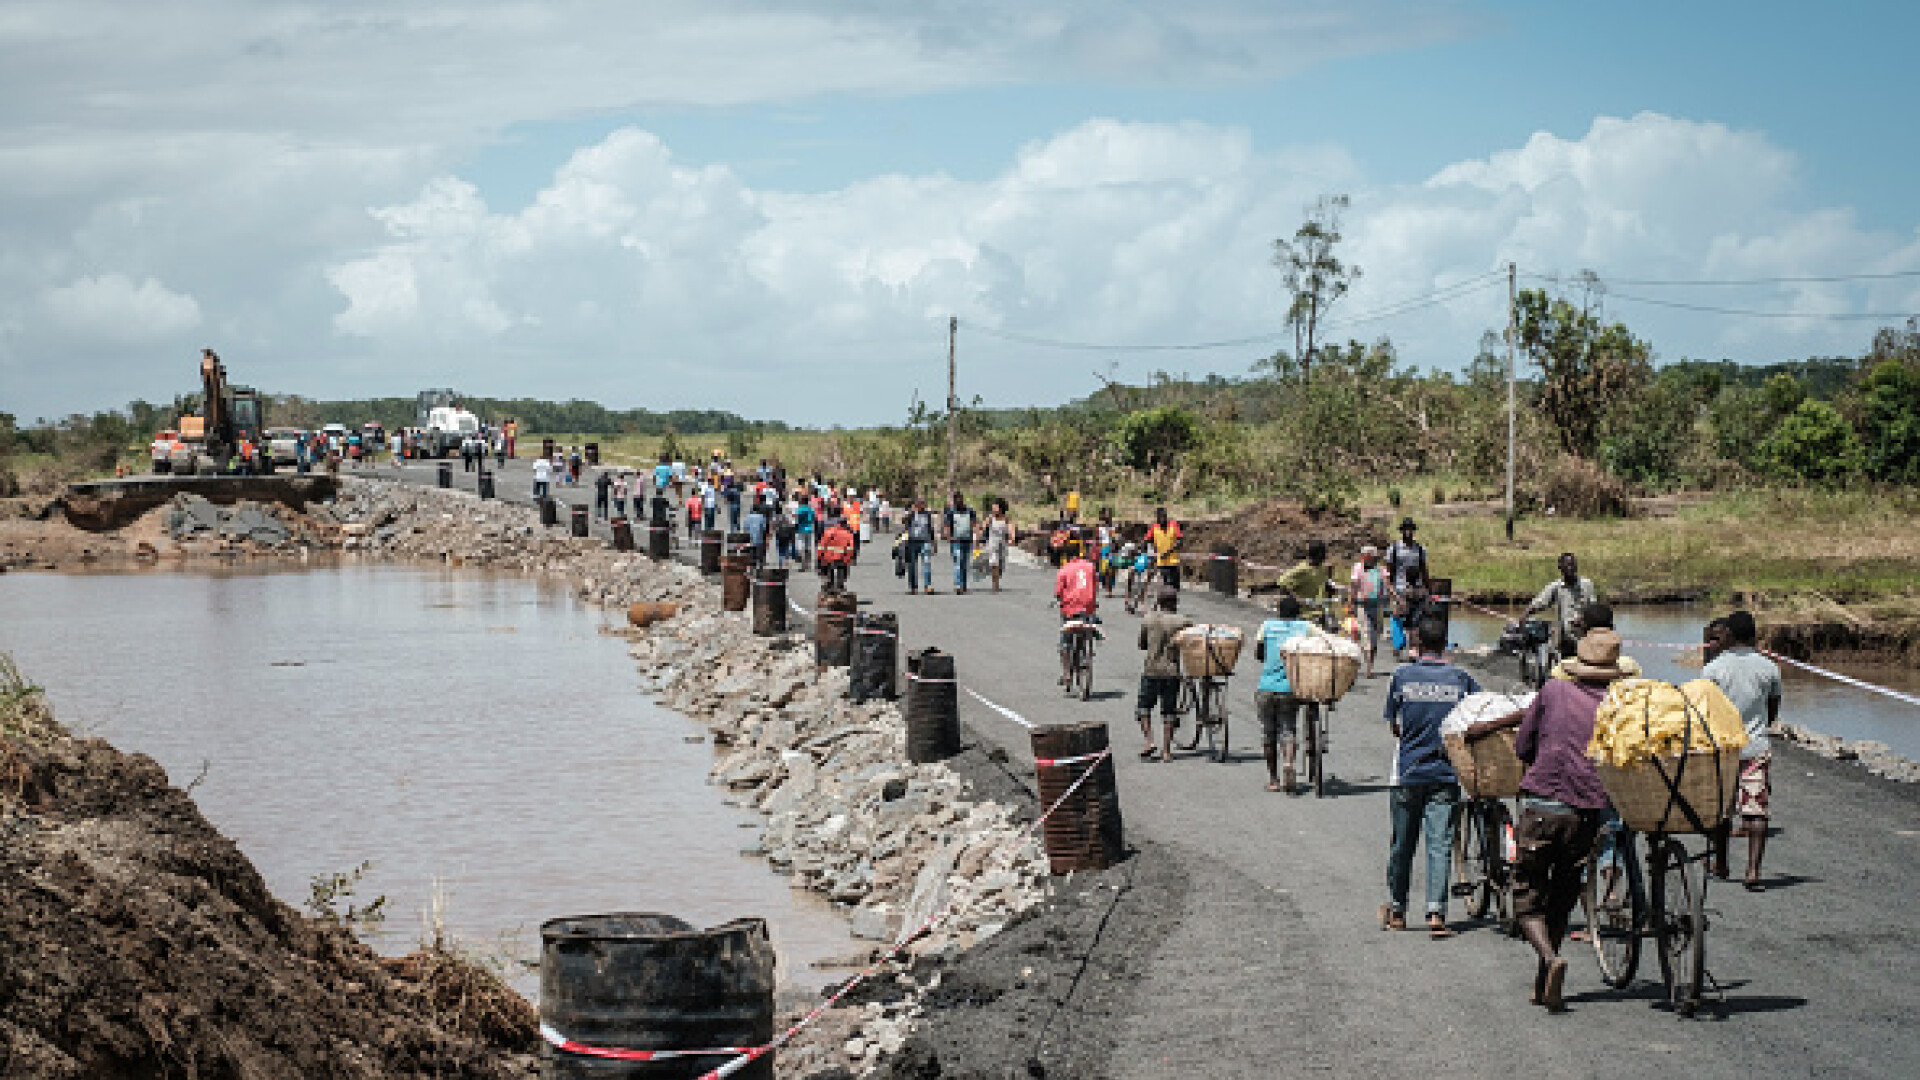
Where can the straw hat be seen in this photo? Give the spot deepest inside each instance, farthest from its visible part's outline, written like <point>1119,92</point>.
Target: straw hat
<point>1598,657</point>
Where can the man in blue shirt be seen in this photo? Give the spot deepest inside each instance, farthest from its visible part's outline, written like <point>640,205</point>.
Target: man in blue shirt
<point>1273,698</point>
<point>1425,789</point>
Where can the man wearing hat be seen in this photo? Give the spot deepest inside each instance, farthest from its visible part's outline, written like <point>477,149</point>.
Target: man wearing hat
<point>1407,577</point>
<point>1561,803</point>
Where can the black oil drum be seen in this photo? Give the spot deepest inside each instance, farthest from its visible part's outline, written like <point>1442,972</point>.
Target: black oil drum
<point>1223,569</point>
<point>549,512</point>
<point>770,602</point>
<point>446,474</point>
<point>734,583</point>
<point>622,534</point>
<point>876,655</point>
<point>711,543</point>
<point>933,707</point>
<point>645,981</point>
<point>1084,832</point>
<point>579,520</point>
<point>485,485</point>
<point>833,616</point>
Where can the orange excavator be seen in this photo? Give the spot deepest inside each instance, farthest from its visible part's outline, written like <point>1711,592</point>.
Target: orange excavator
<point>226,435</point>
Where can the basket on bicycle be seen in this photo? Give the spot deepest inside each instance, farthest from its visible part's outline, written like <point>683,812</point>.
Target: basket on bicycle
<point>1207,650</point>
<point>1488,767</point>
<point>1320,667</point>
<point>1669,756</point>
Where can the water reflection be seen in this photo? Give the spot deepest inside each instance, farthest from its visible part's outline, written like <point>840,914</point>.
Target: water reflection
<point>472,728</point>
<point>1811,700</point>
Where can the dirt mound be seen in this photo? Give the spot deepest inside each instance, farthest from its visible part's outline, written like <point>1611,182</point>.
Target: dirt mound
<point>1277,533</point>
<point>135,940</point>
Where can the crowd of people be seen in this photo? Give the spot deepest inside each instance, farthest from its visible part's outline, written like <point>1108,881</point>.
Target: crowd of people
<point>1564,808</point>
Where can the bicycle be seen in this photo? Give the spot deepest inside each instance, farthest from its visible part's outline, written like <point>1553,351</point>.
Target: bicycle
<point>1483,860</point>
<point>1319,714</point>
<point>1080,638</point>
<point>1531,641</point>
<point>1206,698</point>
<point>1669,906</point>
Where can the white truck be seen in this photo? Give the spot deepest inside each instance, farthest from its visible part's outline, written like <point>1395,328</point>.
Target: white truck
<point>446,427</point>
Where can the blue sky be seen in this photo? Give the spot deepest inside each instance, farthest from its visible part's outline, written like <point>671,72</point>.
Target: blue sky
<point>772,207</point>
<point>1831,85</point>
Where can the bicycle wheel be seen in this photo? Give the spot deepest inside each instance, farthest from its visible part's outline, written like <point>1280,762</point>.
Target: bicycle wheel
<point>1086,666</point>
<point>1615,908</point>
<point>1500,868</point>
<point>1190,704</point>
<point>1470,881</point>
<point>1679,914</point>
<point>1318,724</point>
<point>1216,695</point>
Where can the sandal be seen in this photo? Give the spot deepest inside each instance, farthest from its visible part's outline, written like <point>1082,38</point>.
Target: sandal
<point>1273,785</point>
<point>1555,984</point>
<point>1391,919</point>
<point>1148,753</point>
<point>1437,928</point>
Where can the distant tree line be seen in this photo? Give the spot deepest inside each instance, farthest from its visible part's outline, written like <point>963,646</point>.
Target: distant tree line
<point>582,417</point>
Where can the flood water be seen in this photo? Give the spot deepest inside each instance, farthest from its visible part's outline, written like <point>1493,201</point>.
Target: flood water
<point>473,729</point>
<point>1811,700</point>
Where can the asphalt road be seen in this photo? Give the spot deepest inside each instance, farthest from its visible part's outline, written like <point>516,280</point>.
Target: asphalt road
<point>1269,960</point>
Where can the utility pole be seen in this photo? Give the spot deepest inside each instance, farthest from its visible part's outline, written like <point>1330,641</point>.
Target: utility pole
<point>953,404</point>
<point>1513,332</point>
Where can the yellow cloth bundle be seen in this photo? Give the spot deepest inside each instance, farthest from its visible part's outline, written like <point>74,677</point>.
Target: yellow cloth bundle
<point>1645,718</point>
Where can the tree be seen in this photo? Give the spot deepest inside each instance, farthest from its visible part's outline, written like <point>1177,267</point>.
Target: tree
<point>1888,408</point>
<point>1315,277</point>
<point>1587,366</point>
<point>1812,443</point>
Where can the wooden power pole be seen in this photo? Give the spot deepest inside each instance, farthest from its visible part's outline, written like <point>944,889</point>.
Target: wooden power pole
<point>1513,332</point>
<point>953,403</point>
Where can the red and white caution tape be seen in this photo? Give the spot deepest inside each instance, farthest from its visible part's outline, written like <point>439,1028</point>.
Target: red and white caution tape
<point>1049,762</point>
<point>614,1053</point>
<point>913,677</point>
<point>749,1056</point>
<point>1848,679</point>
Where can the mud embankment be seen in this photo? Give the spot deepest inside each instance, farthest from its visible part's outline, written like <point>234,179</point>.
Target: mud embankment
<point>135,940</point>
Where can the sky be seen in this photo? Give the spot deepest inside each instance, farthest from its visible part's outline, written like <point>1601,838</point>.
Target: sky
<point>774,207</point>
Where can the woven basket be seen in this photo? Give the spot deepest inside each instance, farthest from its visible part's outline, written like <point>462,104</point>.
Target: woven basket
<point>1648,803</point>
<point>1208,651</point>
<point>1488,767</point>
<point>1320,675</point>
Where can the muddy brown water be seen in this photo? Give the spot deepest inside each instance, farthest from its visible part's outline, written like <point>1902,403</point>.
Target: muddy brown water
<point>1811,701</point>
<point>473,729</point>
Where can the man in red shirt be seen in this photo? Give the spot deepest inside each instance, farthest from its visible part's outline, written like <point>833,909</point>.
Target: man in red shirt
<point>1077,589</point>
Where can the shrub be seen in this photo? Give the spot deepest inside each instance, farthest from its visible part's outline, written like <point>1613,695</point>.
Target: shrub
<point>1576,487</point>
<point>1814,442</point>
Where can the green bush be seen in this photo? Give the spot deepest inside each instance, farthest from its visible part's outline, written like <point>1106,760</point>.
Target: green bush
<point>1814,442</point>
<point>1889,419</point>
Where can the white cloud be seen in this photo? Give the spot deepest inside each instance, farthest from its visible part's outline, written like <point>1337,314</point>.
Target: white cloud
<point>1126,233</point>
<point>113,307</point>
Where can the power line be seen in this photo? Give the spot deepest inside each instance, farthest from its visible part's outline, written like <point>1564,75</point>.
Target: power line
<point>1404,306</point>
<point>1877,316</point>
<point>1808,280</point>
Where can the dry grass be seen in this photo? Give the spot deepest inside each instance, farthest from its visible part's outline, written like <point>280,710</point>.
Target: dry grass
<point>1845,545</point>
